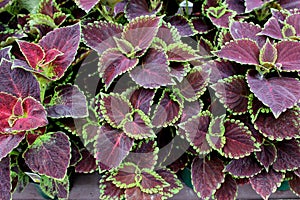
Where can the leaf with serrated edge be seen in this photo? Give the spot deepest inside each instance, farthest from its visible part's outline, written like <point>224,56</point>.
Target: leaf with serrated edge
<point>142,99</point>
<point>109,191</point>
<point>184,26</point>
<point>86,5</point>
<point>55,188</point>
<point>216,130</point>
<point>151,182</point>
<point>267,155</point>
<point>181,52</point>
<point>174,184</point>
<point>33,53</point>
<point>137,8</point>
<point>228,189</point>
<point>124,176</point>
<point>288,56</point>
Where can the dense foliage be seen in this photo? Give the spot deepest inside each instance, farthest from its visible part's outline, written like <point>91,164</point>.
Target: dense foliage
<point>138,90</point>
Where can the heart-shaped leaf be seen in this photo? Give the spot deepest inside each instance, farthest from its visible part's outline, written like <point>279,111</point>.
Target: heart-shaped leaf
<point>87,164</point>
<point>86,5</point>
<point>5,184</point>
<point>288,56</point>
<point>207,176</point>
<point>278,93</point>
<point>112,146</point>
<point>49,155</point>
<point>267,155</point>
<point>228,189</point>
<point>9,142</point>
<point>33,53</point>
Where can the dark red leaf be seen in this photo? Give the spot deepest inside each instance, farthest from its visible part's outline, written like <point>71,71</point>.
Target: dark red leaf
<point>228,189</point>
<point>201,26</point>
<point>142,99</point>
<point>181,52</point>
<point>87,164</point>
<point>108,190</point>
<point>190,109</point>
<point>51,55</point>
<point>267,155</point>
<point>5,184</point>
<point>151,182</point>
<point>174,185</point>
<point>244,167</point>
<point>295,185</point>
<point>220,70</point>
<point>288,58</point>
<point>7,103</point>
<point>49,155</point>
<point>33,53</point>
<point>9,142</point>
<point>223,20</point>
<point>207,176</point>
<point>137,193</point>
<point>125,175</point>
<point>183,25</point>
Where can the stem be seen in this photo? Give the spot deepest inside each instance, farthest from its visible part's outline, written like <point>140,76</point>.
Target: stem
<point>43,86</point>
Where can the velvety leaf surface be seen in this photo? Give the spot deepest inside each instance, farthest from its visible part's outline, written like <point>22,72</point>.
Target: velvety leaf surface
<point>167,111</point>
<point>293,20</point>
<point>33,53</point>
<point>51,55</point>
<point>168,33</point>
<point>153,71</point>
<point>207,176</point>
<point>233,92</point>
<point>86,5</point>
<point>142,99</point>
<point>8,142</point>
<point>113,63</point>
<point>278,93</point>
<point>201,26</point>
<point>125,176</point>
<point>5,183</point>
<point>137,8</point>
<point>178,70</point>
<point>287,126</point>
<point>183,25</point>
<point>18,82</point>
<point>295,185</point>
<point>288,58</point>
<point>110,191</point>
<point>7,102</point>
<point>223,20</point>
<point>49,155</point>
<point>268,54</point>
<point>87,164</point>
<point>228,189</point>
<point>112,147</point>
<point>100,35</point>
<point>242,51</point>
<point>67,101</point>
<point>288,155</point>
<point>266,183</point>
<point>267,155</point>
<point>68,47</point>
<point>244,167</point>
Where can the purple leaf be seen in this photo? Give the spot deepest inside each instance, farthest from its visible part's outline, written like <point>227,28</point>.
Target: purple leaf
<point>286,126</point>
<point>295,185</point>
<point>268,54</point>
<point>220,70</point>
<point>86,5</point>
<point>5,53</point>
<point>151,182</point>
<point>228,189</point>
<point>174,185</point>
<point>236,5</point>
<point>253,4</point>
<point>293,20</point>
<point>266,183</point>
<point>153,72</point>
<point>244,167</point>
<point>68,46</point>
<point>49,155</point>
<point>87,164</point>
<point>207,175</point>
<point>33,53</point>
<point>9,142</point>
<point>136,192</point>
<point>51,55</point>
<point>201,26</point>
<point>142,99</point>
<point>278,93</point>
<point>272,29</point>
<point>267,155</point>
<point>288,155</point>
<point>108,190</point>
<point>55,188</point>
<point>100,35</point>
<point>168,33</point>
<point>233,93</point>
<point>137,8</point>
<point>5,185</point>
<point>141,31</point>
<point>242,51</point>
<point>183,25</point>
<point>67,101</point>
<point>288,58</point>
<point>7,37</point>
<point>181,52</point>
<point>2,5</point>
<point>220,21</point>
<point>290,4</point>
<point>113,63</point>
<point>112,147</point>
<point>18,82</point>
<point>167,111</point>
<point>190,109</point>
<point>124,176</point>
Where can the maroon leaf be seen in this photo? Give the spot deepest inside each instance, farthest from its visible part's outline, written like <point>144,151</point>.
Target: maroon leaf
<point>125,175</point>
<point>272,29</point>
<point>33,53</point>
<point>201,26</point>
<point>292,20</point>
<point>151,182</point>
<point>9,142</point>
<point>86,5</point>
<point>67,101</point>
<point>142,99</point>
<point>49,155</point>
<point>167,111</point>
<point>244,167</point>
<point>68,46</point>
<point>288,56</point>
<point>18,82</point>
<point>233,93</point>
<point>190,109</point>
<point>253,4</point>
<point>112,146</point>
<point>174,185</point>
<point>136,192</point>
<point>242,51</point>
<point>228,189</point>
<point>153,72</point>
<point>181,52</point>
<point>290,4</point>
<point>100,35</point>
<point>220,21</point>
<point>220,70</point>
<point>5,53</point>
<point>236,5</point>
<point>5,185</point>
<point>113,63</point>
<point>288,155</point>
<point>266,183</point>
<point>7,102</point>
<point>278,93</point>
<point>268,54</point>
<point>55,188</point>
<point>295,185</point>
<point>183,25</point>
<point>239,140</point>
<point>87,164</point>
<point>207,176</point>
<point>137,8</point>
<point>267,155</point>
<point>168,33</point>
<point>51,55</point>
<point>108,190</point>
<point>285,127</point>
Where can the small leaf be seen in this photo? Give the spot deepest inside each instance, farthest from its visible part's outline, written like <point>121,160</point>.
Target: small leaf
<point>272,29</point>
<point>9,142</point>
<point>268,54</point>
<point>267,155</point>
<point>174,184</point>
<point>124,46</point>
<point>168,33</point>
<point>109,191</point>
<point>5,184</point>
<point>288,58</point>
<point>220,18</point>
<point>216,130</point>
<point>182,24</point>
<point>33,53</point>
<point>228,189</point>
<point>5,53</point>
<point>207,176</point>
<point>151,182</point>
<point>124,176</point>
<point>142,99</point>
<point>49,155</point>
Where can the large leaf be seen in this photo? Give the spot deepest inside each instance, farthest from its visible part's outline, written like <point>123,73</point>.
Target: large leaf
<point>86,5</point>
<point>293,20</point>
<point>228,189</point>
<point>5,184</point>
<point>142,99</point>
<point>244,167</point>
<point>287,126</point>
<point>67,101</point>
<point>167,111</point>
<point>236,5</point>
<point>137,8</point>
<point>278,93</point>
<point>100,35</point>
<point>233,93</point>
<point>18,82</point>
<point>112,146</point>
<point>9,142</point>
<point>239,140</point>
<point>87,164</point>
<point>49,155</point>
<point>168,33</point>
<point>7,103</point>
<point>266,183</point>
<point>243,51</point>
<point>113,63</point>
<point>288,58</point>
<point>207,176</point>
<point>68,46</point>
<point>55,188</point>
<point>153,71</point>
<point>288,155</point>
<point>267,155</point>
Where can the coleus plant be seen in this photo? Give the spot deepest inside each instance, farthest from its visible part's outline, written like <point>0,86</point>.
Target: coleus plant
<point>215,91</point>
